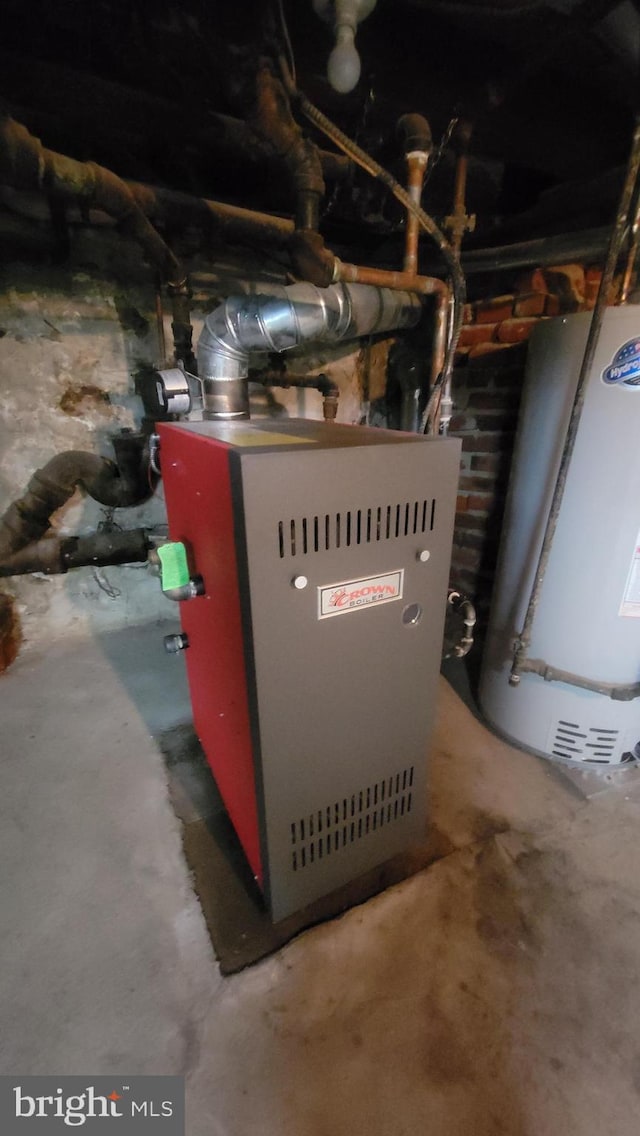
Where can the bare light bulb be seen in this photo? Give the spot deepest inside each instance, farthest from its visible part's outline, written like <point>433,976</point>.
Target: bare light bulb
<point>343,69</point>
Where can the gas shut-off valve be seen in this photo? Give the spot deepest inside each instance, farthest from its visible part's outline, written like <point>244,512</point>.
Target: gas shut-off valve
<point>171,561</point>
<point>176,580</point>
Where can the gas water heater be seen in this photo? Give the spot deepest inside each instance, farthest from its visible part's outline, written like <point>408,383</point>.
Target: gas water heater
<point>314,634</point>
<point>587,623</point>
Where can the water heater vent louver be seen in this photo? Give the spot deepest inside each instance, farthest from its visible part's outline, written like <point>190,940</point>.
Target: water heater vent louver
<point>591,743</point>
<point>327,531</point>
<point>329,830</point>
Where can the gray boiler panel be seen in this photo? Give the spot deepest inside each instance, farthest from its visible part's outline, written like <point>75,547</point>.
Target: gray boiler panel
<point>343,705</point>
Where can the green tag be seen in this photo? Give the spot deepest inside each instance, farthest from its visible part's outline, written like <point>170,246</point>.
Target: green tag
<point>173,565</point>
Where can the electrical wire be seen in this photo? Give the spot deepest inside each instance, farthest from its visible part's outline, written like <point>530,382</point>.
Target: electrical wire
<point>284,31</point>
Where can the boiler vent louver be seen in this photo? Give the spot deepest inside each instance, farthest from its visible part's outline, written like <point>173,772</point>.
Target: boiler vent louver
<point>332,828</point>
<point>322,532</point>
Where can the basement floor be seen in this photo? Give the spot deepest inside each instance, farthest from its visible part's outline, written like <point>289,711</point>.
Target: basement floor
<point>494,992</point>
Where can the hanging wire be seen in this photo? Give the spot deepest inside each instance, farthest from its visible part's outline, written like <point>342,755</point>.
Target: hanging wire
<point>286,39</point>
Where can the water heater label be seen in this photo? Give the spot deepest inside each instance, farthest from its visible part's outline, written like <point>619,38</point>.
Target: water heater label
<point>624,368</point>
<point>354,595</point>
<point>630,605</point>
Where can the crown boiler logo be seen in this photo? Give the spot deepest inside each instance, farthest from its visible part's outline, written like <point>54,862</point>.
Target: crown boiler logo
<point>624,368</point>
<point>354,595</point>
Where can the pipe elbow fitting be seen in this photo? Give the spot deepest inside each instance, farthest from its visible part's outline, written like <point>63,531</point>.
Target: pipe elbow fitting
<point>414,132</point>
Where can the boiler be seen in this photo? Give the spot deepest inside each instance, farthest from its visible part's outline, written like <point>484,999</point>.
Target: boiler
<point>312,626</point>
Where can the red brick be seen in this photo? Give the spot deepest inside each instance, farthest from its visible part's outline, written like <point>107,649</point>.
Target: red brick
<point>475,333</point>
<point>552,306</point>
<point>533,281</point>
<point>464,581</point>
<point>486,443</point>
<point>460,394</point>
<point>482,502</point>
<point>567,282</point>
<point>531,304</point>
<point>486,463</point>
<point>492,354</point>
<point>461,356</point>
<point>462,503</point>
<point>493,311</point>
<point>466,539</point>
<point>478,379</point>
<point>479,481</point>
<point>461,422</point>
<point>516,330</point>
<point>592,278</point>
<point>504,399</point>
<point>469,557</point>
<point>510,377</point>
<point>468,314</point>
<point>470,523</point>
<point>505,421</point>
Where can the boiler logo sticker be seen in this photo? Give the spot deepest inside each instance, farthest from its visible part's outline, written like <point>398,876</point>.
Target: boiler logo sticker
<point>354,595</point>
<point>624,368</point>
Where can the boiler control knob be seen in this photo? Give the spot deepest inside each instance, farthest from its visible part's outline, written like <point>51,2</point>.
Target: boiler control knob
<point>299,582</point>
<point>423,555</point>
<point>173,644</point>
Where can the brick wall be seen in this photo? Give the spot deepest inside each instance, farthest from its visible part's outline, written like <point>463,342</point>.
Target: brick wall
<point>487,386</point>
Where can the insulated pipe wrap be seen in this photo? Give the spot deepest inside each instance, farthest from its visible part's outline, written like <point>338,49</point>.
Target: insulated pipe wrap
<point>289,317</point>
<point>116,486</point>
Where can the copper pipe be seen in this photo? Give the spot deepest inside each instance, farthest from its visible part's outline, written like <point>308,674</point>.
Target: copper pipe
<point>383,278</point>
<point>439,346</point>
<point>459,222</point>
<point>459,209</point>
<point>417,165</point>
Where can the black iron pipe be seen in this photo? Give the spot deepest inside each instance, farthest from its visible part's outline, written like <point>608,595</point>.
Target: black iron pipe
<point>117,484</point>
<point>563,248</point>
<point>54,555</point>
<point>26,164</point>
<point>329,390</point>
<point>619,692</point>
<point>615,245</point>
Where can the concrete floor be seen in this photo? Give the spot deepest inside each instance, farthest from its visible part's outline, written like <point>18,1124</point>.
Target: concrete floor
<point>495,992</point>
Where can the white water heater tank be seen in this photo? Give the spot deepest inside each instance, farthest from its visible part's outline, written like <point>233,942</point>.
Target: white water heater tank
<point>588,617</point>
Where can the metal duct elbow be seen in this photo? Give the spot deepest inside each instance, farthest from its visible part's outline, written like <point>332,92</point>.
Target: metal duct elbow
<point>288,317</point>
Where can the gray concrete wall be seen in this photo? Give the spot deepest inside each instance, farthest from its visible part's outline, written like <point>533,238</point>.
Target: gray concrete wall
<point>71,340</point>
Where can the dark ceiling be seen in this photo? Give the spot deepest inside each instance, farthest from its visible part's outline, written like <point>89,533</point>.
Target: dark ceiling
<point>550,87</point>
